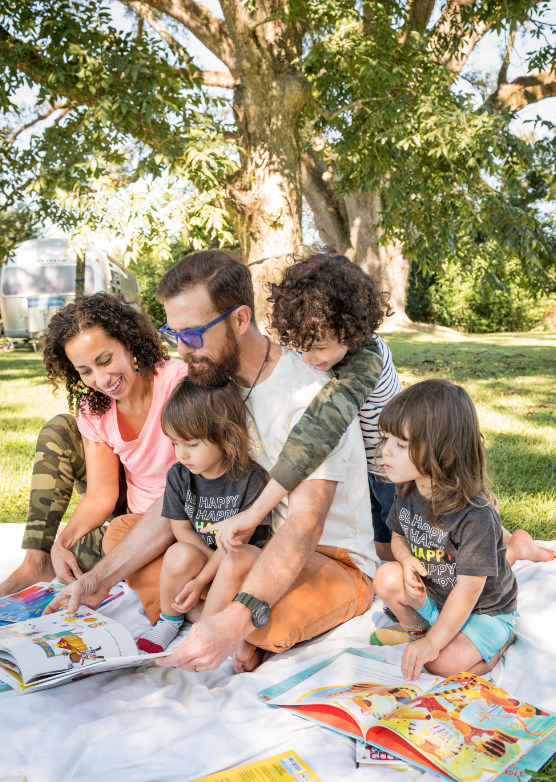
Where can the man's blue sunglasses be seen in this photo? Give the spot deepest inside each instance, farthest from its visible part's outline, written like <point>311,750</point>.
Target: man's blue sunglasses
<point>193,338</point>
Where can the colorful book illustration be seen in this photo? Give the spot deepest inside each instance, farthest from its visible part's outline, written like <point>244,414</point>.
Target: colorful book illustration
<point>350,693</point>
<point>463,727</point>
<point>48,651</point>
<point>287,766</point>
<point>367,755</point>
<point>32,601</point>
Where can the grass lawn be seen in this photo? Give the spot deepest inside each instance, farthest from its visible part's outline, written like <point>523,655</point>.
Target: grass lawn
<point>510,377</point>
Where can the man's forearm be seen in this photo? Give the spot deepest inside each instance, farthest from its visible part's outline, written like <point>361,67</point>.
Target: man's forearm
<point>293,544</point>
<point>150,537</point>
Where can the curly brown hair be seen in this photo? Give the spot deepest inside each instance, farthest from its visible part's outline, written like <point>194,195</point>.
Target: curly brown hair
<point>119,319</point>
<point>215,414</point>
<point>325,292</point>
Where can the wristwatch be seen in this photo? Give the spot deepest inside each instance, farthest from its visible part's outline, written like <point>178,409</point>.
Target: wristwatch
<point>260,611</point>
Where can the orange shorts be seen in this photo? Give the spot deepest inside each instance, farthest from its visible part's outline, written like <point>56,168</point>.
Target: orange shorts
<point>329,591</point>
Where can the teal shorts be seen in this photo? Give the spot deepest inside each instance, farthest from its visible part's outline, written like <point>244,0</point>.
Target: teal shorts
<point>488,633</point>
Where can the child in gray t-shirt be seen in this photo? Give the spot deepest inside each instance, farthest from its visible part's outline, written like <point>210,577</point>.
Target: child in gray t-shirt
<point>213,480</point>
<point>451,586</point>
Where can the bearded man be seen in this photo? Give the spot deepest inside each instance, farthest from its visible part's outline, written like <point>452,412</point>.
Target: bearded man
<point>315,573</point>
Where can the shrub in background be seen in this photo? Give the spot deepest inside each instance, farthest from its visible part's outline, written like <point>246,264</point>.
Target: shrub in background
<point>467,301</point>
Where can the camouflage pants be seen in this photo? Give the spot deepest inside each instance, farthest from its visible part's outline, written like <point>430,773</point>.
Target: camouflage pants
<point>58,469</point>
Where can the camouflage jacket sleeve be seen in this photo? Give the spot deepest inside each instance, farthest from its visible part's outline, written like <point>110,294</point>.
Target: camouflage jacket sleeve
<point>332,410</point>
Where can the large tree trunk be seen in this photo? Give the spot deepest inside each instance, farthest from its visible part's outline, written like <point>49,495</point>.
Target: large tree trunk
<point>350,224</point>
<point>263,198</point>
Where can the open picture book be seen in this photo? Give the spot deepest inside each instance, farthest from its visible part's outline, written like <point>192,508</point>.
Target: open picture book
<point>32,601</point>
<point>463,727</point>
<point>48,651</point>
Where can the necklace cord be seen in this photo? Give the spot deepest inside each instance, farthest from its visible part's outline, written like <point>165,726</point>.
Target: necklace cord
<point>261,369</point>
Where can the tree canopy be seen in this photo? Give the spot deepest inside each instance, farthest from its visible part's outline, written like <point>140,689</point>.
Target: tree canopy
<point>354,104</point>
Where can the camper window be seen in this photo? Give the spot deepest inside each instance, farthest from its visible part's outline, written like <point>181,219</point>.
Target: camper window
<point>43,279</point>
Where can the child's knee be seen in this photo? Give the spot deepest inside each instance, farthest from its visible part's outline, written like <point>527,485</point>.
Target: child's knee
<point>388,579</point>
<point>181,556</point>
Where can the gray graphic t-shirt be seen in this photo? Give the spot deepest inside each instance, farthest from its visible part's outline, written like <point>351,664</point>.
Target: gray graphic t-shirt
<point>469,543</point>
<point>204,502</point>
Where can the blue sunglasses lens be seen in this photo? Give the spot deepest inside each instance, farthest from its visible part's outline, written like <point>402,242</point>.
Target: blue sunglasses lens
<point>170,337</point>
<point>192,339</point>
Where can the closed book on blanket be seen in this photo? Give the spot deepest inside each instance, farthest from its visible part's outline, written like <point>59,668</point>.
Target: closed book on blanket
<point>463,727</point>
<point>48,651</point>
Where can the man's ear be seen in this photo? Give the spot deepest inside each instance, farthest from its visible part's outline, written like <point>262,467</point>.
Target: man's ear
<point>243,318</point>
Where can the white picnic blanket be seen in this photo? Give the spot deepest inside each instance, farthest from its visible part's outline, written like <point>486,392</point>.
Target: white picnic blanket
<point>166,724</point>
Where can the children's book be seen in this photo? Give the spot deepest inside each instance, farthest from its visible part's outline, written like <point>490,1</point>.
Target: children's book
<point>349,693</point>
<point>463,727</point>
<point>367,755</point>
<point>48,651</point>
<point>32,601</point>
<point>287,766</point>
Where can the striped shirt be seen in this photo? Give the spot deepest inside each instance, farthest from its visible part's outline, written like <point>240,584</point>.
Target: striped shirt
<point>387,387</point>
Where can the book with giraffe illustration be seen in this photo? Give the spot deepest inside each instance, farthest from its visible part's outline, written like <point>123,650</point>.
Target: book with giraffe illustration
<point>463,727</point>
<point>47,651</point>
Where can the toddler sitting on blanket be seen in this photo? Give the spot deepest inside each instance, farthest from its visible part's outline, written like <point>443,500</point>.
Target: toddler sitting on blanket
<point>213,480</point>
<point>329,309</point>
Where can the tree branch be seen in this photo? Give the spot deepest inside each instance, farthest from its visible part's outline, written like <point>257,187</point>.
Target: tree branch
<point>209,78</point>
<point>523,91</point>
<point>420,12</point>
<point>329,116</point>
<point>329,212</point>
<point>503,73</point>
<point>40,118</point>
<point>145,14</point>
<point>209,29</point>
<point>465,35</point>
<point>218,79</point>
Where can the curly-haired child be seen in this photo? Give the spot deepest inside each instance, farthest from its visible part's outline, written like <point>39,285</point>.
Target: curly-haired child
<point>329,309</point>
<point>213,480</point>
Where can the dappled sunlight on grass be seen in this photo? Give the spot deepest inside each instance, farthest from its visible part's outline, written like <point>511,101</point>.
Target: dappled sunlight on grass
<point>511,379</point>
<point>26,403</point>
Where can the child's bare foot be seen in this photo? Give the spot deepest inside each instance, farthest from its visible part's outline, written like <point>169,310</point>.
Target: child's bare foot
<point>522,546</point>
<point>247,657</point>
<point>37,566</point>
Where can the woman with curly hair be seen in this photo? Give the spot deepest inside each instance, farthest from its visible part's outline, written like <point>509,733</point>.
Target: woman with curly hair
<point>327,307</point>
<point>117,376</point>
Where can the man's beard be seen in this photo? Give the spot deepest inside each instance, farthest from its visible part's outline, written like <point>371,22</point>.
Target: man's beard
<point>216,371</point>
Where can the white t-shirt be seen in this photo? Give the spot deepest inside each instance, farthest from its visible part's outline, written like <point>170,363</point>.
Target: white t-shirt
<point>273,408</point>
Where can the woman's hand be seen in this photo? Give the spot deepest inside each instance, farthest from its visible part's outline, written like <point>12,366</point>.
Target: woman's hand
<point>230,533</point>
<point>413,570</point>
<point>416,654</point>
<point>64,564</point>
<point>189,596</point>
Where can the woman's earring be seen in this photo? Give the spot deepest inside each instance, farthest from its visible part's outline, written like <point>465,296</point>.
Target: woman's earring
<point>83,389</point>
<point>135,364</point>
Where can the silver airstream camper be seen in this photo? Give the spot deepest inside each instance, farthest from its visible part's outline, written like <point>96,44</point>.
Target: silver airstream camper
<point>40,277</point>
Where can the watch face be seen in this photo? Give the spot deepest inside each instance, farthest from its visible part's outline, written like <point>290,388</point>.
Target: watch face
<point>261,615</point>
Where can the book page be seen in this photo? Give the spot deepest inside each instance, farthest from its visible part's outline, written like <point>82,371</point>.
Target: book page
<point>60,642</point>
<point>286,767</point>
<point>368,755</point>
<point>468,727</point>
<point>366,689</point>
<point>32,601</point>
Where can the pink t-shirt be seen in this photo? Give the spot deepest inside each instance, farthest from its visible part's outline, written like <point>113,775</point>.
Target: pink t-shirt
<point>147,459</point>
